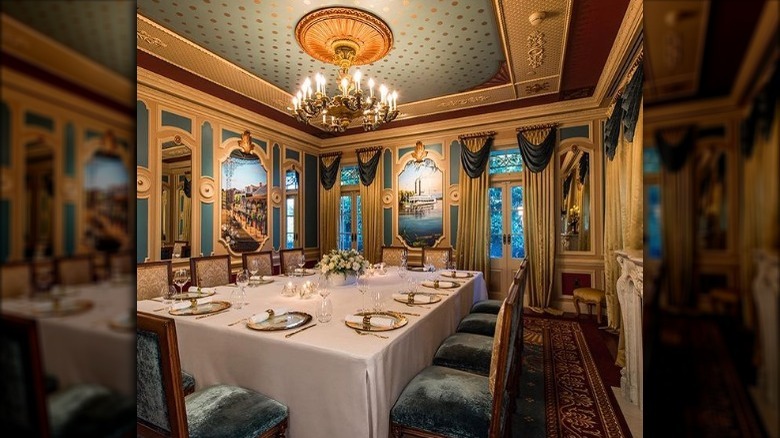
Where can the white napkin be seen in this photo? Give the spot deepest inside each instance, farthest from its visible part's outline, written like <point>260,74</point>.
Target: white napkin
<point>186,303</point>
<point>377,321</point>
<point>458,274</point>
<point>202,290</point>
<point>267,278</point>
<point>418,299</point>
<point>429,283</point>
<point>299,270</point>
<point>262,316</point>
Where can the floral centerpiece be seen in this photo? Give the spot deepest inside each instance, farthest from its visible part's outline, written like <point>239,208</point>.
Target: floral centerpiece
<point>342,266</point>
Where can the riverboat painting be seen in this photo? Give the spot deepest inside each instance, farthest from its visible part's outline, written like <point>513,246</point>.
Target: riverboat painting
<point>420,204</point>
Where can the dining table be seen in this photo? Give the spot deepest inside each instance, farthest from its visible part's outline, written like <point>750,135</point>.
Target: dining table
<point>336,381</point>
<point>89,338</point>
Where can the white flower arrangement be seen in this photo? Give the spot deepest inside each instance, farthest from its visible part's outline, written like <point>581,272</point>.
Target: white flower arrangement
<point>347,262</point>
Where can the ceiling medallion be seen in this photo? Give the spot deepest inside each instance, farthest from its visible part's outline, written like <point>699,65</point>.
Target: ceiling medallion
<point>344,37</point>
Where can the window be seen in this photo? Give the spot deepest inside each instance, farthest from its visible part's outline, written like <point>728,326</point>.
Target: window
<point>651,160</point>
<point>291,209</point>
<point>350,231</point>
<point>350,176</point>
<point>505,161</point>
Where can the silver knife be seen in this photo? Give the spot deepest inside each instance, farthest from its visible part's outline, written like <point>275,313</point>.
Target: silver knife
<point>298,331</point>
<point>211,314</point>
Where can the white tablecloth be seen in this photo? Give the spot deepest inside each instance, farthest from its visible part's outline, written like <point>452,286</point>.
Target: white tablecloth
<point>84,347</point>
<point>335,382</point>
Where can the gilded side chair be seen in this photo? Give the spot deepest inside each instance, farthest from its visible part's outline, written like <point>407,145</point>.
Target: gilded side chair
<point>392,255</point>
<point>289,258</point>
<point>151,278</point>
<point>15,279</point>
<point>440,257</point>
<point>210,271</point>
<point>75,270</point>
<point>264,259</point>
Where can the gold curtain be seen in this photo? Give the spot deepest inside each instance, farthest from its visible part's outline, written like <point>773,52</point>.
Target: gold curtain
<point>540,235</point>
<point>473,221</point>
<point>371,199</point>
<point>759,194</point>
<point>329,211</point>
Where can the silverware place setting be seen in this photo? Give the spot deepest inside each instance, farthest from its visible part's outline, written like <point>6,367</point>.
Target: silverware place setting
<point>370,334</point>
<point>299,330</point>
<point>211,314</point>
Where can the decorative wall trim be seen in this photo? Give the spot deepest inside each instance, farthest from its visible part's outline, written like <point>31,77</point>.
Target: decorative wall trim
<point>143,182</point>
<point>207,189</point>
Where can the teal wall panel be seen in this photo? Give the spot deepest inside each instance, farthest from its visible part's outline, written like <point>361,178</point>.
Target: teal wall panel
<point>5,135</point>
<point>5,229</point>
<point>206,228</point>
<point>388,226</point>
<point>207,150</point>
<point>228,134</point>
<point>141,134</point>
<point>574,131</point>
<point>263,145</point>
<point>277,218</point>
<point>177,121</point>
<point>311,227</point>
<point>454,162</point>
<point>388,169</point>
<point>89,135</point>
<point>70,150</point>
<point>277,163</point>
<point>436,147</point>
<point>69,228</point>
<point>292,154</point>
<point>33,119</point>
<point>141,229</point>
<point>454,210</point>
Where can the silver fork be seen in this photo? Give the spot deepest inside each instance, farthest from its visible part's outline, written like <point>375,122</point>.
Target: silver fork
<point>371,334</point>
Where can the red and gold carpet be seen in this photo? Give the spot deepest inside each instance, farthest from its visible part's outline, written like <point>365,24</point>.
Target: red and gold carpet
<point>562,393</point>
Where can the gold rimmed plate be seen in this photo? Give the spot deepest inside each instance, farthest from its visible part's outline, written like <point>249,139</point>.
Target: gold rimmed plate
<point>398,321</point>
<point>287,321</point>
<point>260,282</point>
<point>457,274</point>
<point>440,284</point>
<point>433,298</point>
<point>201,309</point>
<point>65,308</point>
<point>416,269</point>
<point>305,273</point>
<point>123,324</point>
<point>193,295</point>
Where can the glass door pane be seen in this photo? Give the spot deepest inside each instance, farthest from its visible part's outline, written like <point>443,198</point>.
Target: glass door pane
<point>516,216</point>
<point>359,222</point>
<point>290,223</point>
<point>496,205</point>
<point>345,222</point>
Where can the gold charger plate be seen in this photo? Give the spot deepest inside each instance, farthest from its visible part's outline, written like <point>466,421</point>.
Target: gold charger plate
<point>191,295</point>
<point>289,320</point>
<point>458,274</point>
<point>450,285</point>
<point>254,283</point>
<point>66,308</point>
<point>434,299</point>
<point>416,269</point>
<point>122,325</point>
<point>305,273</point>
<point>399,321</point>
<point>201,309</point>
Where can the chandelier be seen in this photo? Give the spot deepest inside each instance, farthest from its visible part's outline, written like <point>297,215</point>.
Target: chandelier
<point>345,37</point>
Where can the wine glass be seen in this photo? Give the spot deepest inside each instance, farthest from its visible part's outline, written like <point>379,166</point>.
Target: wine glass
<point>242,279</point>
<point>324,310</point>
<point>379,300</point>
<point>301,263</point>
<point>168,294</point>
<point>362,285</point>
<point>254,267</point>
<point>181,277</point>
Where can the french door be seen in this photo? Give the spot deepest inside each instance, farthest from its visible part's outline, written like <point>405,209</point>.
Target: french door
<point>350,221</point>
<point>507,245</point>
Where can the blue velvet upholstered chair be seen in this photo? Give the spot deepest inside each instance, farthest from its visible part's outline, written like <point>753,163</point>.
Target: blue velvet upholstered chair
<point>82,410</point>
<point>215,411</point>
<point>492,306</point>
<point>447,402</point>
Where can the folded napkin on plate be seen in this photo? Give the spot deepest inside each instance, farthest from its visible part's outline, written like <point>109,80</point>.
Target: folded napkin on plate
<point>377,321</point>
<point>266,278</point>
<point>187,303</point>
<point>262,316</point>
<point>418,299</point>
<point>203,290</point>
<point>430,283</point>
<point>458,274</point>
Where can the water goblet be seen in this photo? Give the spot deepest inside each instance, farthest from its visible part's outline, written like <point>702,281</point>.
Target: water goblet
<point>301,263</point>
<point>254,267</point>
<point>181,277</point>
<point>324,309</point>
<point>167,294</point>
<point>379,300</point>
<point>362,286</point>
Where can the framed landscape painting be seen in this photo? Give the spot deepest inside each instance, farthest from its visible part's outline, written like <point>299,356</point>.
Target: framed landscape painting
<point>420,204</point>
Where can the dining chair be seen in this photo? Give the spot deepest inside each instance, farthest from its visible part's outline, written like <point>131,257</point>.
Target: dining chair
<point>120,263</point>
<point>151,277</point>
<point>15,279</point>
<point>210,271</point>
<point>43,274</point>
<point>219,410</point>
<point>78,410</point>
<point>447,402</point>
<point>492,306</point>
<point>392,255</point>
<point>438,256</point>
<point>289,257</point>
<point>264,259</point>
<point>73,270</point>
<point>485,323</point>
<point>181,247</point>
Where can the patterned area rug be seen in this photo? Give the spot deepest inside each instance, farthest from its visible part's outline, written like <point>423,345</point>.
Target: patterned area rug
<point>561,392</point>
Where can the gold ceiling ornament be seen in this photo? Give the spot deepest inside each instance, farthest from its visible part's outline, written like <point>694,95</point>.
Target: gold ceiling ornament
<point>344,37</point>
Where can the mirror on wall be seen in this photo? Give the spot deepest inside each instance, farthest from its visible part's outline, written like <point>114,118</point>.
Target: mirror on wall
<point>244,206</point>
<point>711,211</point>
<point>576,199</point>
<point>176,200</point>
<point>39,187</point>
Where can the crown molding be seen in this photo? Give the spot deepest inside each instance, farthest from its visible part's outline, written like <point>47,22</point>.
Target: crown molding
<point>51,56</point>
<point>762,42</point>
<point>629,30</point>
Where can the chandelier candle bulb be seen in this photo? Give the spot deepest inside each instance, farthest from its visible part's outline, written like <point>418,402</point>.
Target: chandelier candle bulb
<point>371,86</point>
<point>358,75</point>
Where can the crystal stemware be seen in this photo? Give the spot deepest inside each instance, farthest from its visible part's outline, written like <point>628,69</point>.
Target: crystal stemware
<point>363,288</point>
<point>167,294</point>
<point>254,267</point>
<point>301,263</point>
<point>324,309</point>
<point>181,277</point>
